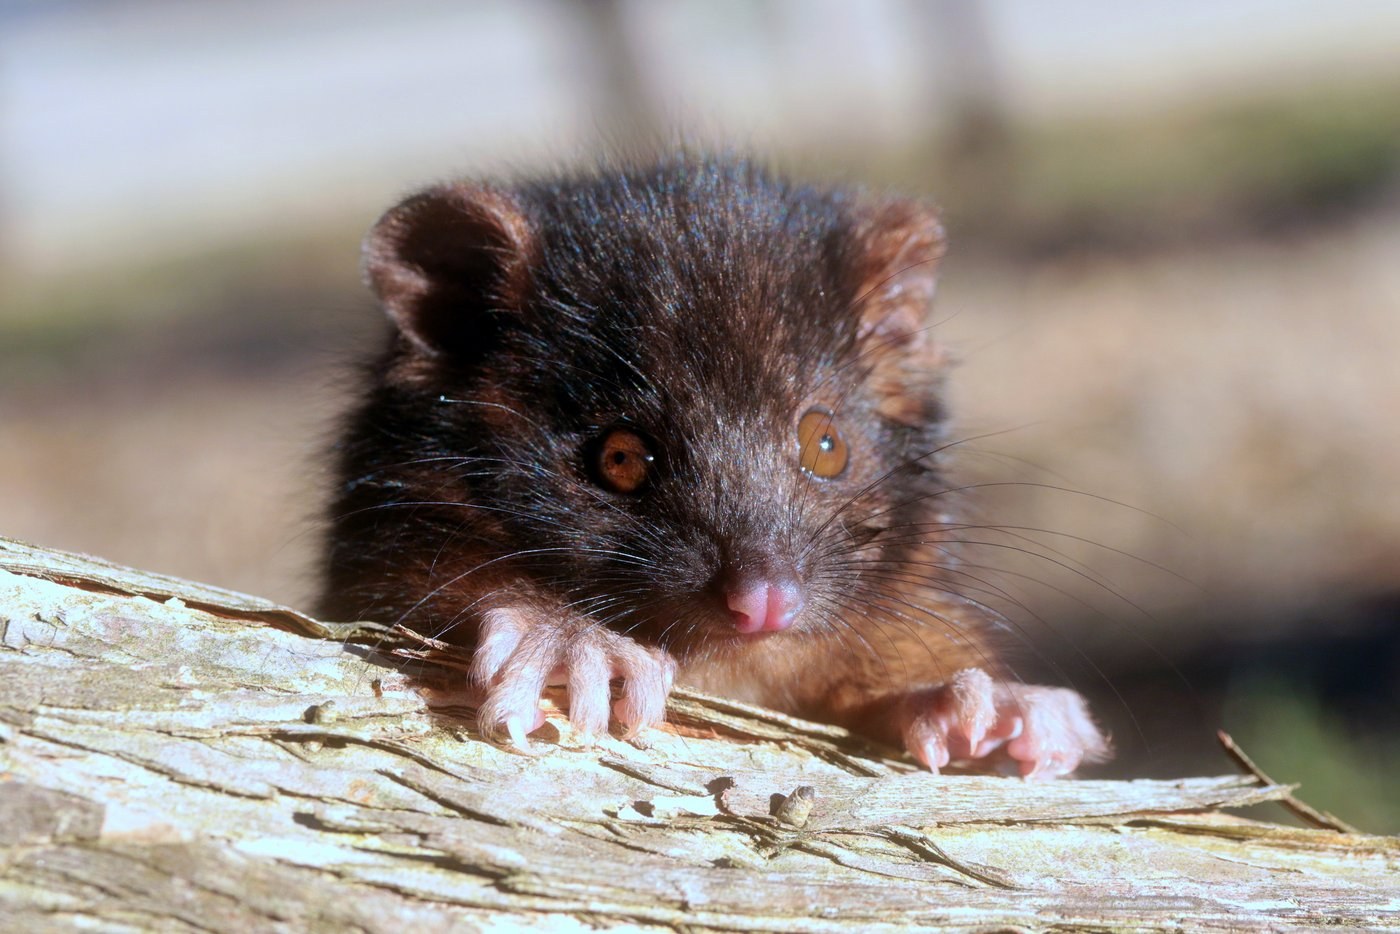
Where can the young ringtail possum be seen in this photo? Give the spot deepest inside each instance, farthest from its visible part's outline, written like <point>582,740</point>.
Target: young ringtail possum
<point>677,422</point>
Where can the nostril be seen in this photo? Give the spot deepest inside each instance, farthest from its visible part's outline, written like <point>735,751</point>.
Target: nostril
<point>749,607</point>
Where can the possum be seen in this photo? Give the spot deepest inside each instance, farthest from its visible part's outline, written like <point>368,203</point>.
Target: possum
<point>678,421</point>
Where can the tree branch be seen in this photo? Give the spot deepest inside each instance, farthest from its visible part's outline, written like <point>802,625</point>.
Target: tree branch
<point>174,756</point>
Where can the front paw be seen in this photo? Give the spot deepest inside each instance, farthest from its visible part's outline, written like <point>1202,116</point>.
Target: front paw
<point>520,652</point>
<point>1046,731</point>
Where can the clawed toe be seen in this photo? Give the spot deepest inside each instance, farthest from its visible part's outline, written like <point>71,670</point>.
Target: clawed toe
<point>648,675</point>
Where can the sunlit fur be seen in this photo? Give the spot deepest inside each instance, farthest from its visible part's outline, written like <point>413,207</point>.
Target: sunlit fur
<point>706,306</point>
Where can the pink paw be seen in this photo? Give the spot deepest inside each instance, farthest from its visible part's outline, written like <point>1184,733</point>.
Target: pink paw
<point>1046,731</point>
<point>520,653</point>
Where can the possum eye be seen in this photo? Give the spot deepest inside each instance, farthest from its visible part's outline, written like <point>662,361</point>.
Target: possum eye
<point>623,461</point>
<point>820,448</point>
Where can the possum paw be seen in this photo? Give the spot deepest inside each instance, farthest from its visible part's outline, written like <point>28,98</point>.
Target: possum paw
<point>520,653</point>
<point>1045,731</point>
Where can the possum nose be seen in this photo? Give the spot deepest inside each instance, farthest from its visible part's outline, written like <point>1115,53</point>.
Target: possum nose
<point>765,606</point>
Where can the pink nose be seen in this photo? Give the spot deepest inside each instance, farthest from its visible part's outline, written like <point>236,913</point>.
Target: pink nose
<point>765,606</point>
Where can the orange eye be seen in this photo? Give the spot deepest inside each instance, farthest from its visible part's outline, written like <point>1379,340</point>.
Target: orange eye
<point>821,450</point>
<point>624,461</point>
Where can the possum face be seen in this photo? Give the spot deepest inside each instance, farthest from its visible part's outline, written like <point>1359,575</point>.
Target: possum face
<point>689,400</point>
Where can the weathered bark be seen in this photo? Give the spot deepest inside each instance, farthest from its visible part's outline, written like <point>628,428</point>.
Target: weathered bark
<point>178,757</point>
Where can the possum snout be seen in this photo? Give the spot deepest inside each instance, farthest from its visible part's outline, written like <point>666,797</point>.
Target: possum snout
<point>769,603</point>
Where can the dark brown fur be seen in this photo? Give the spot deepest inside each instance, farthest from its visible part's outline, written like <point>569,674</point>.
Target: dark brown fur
<point>705,305</point>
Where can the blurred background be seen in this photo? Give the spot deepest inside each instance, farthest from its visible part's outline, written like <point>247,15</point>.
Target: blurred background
<point>1174,289</point>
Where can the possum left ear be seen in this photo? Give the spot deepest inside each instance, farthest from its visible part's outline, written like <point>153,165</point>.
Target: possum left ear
<point>902,245</point>
<point>448,264</point>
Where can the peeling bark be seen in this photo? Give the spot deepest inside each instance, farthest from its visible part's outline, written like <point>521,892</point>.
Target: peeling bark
<point>178,757</point>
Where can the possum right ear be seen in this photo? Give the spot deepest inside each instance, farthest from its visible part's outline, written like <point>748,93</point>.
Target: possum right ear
<point>445,260</point>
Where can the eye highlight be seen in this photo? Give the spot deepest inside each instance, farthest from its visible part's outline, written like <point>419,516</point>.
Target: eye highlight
<point>623,461</point>
<point>820,448</point>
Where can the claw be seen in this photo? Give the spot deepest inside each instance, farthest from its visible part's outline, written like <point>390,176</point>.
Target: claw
<point>972,705</point>
<point>515,729</point>
<point>932,752</point>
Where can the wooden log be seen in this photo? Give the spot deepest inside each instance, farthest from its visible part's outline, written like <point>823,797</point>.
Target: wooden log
<point>178,757</point>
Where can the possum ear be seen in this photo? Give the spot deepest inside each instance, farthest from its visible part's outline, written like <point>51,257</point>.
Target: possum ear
<point>444,260</point>
<point>902,243</point>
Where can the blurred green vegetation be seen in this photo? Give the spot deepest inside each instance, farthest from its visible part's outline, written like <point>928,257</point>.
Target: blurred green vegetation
<point>1233,168</point>
<point>1297,739</point>
<point>280,295</point>
<point>1242,167</point>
